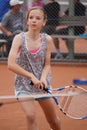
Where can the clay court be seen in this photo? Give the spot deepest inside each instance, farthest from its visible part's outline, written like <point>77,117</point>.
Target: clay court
<point>12,116</point>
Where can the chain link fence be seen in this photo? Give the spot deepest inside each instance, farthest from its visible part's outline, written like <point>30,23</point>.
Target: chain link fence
<point>61,9</point>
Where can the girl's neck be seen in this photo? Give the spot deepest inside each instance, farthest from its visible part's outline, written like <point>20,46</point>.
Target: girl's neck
<point>33,35</point>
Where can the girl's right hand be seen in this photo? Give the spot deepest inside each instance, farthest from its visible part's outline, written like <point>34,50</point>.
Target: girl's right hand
<point>36,83</point>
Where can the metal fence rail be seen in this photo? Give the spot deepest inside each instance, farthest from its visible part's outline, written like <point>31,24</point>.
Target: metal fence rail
<point>71,21</point>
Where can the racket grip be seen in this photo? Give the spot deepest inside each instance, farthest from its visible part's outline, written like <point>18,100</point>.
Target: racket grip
<point>45,89</point>
<point>1,104</point>
<point>31,83</point>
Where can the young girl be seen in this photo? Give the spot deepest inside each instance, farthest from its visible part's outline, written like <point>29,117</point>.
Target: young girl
<point>29,58</point>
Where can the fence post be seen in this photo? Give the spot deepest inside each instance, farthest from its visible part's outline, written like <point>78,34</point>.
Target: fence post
<point>71,31</point>
<point>24,15</point>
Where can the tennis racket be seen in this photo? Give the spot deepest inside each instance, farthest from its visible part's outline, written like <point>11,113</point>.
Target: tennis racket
<point>71,100</point>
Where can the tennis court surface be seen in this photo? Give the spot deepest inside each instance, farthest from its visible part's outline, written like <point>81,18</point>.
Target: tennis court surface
<point>12,116</point>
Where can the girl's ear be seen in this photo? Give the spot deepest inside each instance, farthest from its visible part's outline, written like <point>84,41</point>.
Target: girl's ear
<point>27,25</point>
<point>44,22</point>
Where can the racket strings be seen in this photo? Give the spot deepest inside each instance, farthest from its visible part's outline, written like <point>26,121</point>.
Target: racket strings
<point>75,106</point>
<point>80,106</point>
<point>65,101</point>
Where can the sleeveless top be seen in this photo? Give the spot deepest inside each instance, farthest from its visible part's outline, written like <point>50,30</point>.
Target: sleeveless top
<point>33,63</point>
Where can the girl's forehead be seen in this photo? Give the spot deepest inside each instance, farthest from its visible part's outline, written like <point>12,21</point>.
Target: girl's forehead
<point>36,11</point>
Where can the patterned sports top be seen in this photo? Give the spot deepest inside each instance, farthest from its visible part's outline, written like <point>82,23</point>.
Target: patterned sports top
<point>33,63</point>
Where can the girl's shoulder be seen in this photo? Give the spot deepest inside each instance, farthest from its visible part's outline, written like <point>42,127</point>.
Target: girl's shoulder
<point>48,37</point>
<point>18,38</point>
<point>19,35</point>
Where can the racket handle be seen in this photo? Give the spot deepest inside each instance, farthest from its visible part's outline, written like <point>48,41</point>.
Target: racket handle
<point>48,91</point>
<point>45,89</point>
<point>55,98</point>
<point>31,83</point>
<point>1,104</point>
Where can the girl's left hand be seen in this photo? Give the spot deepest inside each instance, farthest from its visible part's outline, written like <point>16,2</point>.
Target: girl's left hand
<point>43,83</point>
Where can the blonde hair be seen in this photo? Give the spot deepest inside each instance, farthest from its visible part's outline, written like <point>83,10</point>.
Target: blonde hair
<point>37,8</point>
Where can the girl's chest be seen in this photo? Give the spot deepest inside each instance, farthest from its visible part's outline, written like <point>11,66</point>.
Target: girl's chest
<point>32,44</point>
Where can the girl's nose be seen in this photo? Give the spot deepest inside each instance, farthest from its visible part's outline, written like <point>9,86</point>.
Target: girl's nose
<point>34,20</point>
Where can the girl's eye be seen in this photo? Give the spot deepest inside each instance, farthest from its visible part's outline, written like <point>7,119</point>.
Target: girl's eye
<point>38,18</point>
<point>31,17</point>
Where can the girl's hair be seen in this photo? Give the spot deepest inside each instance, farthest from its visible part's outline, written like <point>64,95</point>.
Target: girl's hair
<point>77,0</point>
<point>37,8</point>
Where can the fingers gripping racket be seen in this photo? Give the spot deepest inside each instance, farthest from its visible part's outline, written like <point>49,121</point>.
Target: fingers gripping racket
<point>71,100</point>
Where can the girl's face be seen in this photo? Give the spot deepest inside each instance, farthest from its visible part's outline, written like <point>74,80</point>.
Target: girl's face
<point>36,19</point>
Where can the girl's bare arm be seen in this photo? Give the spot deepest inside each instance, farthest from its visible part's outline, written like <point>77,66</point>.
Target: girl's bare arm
<point>12,65</point>
<point>47,66</point>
